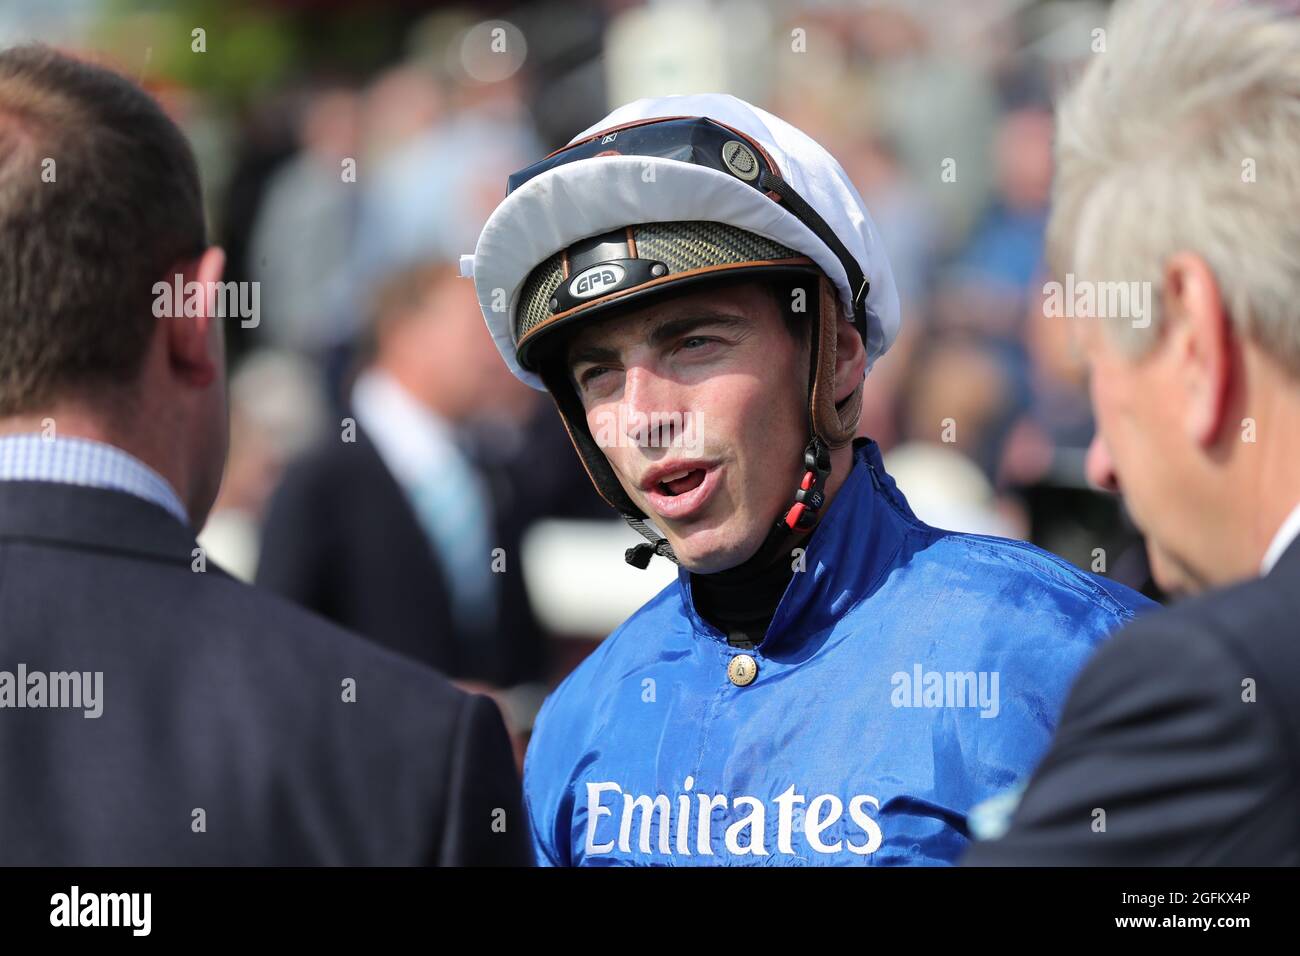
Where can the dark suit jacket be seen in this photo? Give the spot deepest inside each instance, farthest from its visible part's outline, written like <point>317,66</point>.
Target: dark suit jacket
<point>1156,734</point>
<point>225,699</point>
<point>341,538</point>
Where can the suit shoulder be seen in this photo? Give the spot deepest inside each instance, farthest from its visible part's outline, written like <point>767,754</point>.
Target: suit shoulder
<point>1222,663</point>
<point>297,640</point>
<point>331,464</point>
<point>1162,729</point>
<point>1255,619</point>
<point>1229,642</point>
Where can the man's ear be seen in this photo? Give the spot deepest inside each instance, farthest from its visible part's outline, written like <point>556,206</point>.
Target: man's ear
<point>1201,337</point>
<point>193,341</point>
<point>850,360</point>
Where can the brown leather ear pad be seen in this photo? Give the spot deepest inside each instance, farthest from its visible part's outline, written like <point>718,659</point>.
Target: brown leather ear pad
<point>834,425</point>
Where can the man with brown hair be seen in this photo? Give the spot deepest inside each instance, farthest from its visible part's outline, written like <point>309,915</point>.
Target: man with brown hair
<point>404,530</point>
<point>158,711</point>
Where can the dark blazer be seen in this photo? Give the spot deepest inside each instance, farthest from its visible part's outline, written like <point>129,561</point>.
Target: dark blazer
<point>341,538</point>
<point>1159,732</point>
<point>220,698</point>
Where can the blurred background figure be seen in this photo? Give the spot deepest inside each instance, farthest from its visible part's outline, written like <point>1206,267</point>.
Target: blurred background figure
<point>389,526</point>
<point>277,411</point>
<point>404,523</point>
<point>302,237</point>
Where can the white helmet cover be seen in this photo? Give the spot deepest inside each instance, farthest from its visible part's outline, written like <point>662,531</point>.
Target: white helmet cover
<point>592,196</point>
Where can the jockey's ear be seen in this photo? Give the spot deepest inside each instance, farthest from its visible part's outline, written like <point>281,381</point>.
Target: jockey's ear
<point>850,360</point>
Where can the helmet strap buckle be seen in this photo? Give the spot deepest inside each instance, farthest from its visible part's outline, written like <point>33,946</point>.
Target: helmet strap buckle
<point>811,494</point>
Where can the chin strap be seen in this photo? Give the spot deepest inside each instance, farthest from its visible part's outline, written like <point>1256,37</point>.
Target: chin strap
<point>801,516</point>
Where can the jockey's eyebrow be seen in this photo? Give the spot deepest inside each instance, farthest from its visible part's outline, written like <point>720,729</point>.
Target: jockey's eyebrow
<point>662,332</point>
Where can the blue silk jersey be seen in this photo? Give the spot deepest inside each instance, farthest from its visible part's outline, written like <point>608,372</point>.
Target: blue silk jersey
<point>908,674</point>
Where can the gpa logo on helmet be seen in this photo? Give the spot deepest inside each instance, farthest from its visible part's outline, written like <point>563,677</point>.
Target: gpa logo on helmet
<point>596,280</point>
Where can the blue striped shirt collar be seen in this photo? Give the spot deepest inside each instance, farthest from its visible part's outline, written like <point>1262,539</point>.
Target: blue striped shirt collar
<point>86,462</point>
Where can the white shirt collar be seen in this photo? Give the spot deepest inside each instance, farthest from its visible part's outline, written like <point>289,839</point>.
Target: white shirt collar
<point>1287,533</point>
<point>412,440</point>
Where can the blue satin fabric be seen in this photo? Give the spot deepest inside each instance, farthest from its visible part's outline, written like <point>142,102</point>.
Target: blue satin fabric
<point>836,754</point>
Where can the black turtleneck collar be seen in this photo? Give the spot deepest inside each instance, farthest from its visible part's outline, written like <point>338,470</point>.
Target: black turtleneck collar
<point>741,601</point>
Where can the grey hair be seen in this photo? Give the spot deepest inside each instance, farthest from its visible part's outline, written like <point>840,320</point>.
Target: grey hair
<point>1184,134</point>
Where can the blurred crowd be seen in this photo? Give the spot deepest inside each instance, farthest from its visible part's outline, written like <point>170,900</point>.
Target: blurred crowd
<point>347,180</point>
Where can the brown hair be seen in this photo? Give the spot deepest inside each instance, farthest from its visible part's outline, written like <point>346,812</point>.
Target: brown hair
<point>404,290</point>
<point>391,301</point>
<point>99,198</point>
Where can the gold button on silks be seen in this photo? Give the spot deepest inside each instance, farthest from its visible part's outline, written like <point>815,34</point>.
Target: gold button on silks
<point>742,670</point>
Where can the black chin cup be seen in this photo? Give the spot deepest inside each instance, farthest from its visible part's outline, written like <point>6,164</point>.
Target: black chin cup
<point>639,555</point>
